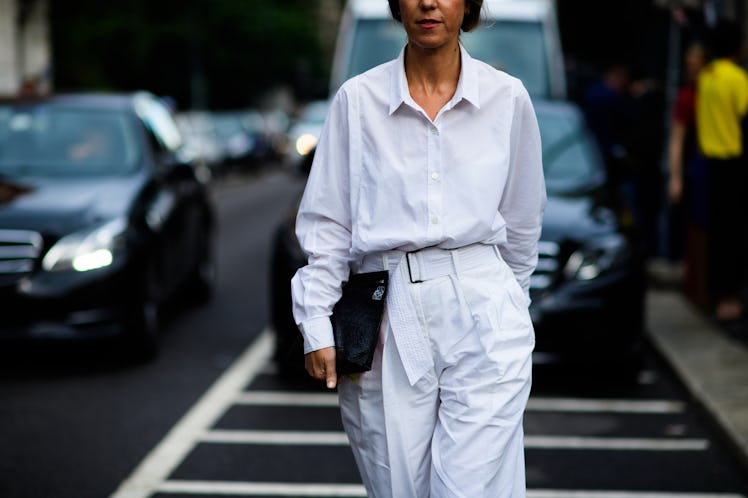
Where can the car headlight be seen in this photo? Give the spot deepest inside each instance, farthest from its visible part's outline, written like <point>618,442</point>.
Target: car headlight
<point>87,250</point>
<point>305,144</point>
<point>597,257</point>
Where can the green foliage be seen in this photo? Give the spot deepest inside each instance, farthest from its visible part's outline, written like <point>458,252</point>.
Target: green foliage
<point>220,53</point>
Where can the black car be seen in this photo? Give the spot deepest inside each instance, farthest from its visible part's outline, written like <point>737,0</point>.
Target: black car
<point>102,218</point>
<point>588,288</point>
<point>589,285</point>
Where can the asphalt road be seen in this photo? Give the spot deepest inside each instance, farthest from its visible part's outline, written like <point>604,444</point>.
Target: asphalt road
<point>75,419</point>
<point>211,417</point>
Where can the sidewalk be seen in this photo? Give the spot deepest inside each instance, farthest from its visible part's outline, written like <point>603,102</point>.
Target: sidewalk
<point>711,364</point>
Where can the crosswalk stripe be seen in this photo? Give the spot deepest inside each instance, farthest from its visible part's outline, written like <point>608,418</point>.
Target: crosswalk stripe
<point>320,490</point>
<point>558,493</point>
<point>605,405</point>
<point>181,439</point>
<point>337,438</point>
<point>261,489</point>
<point>604,443</point>
<point>539,404</point>
<point>152,475</point>
<point>276,437</point>
<point>278,398</point>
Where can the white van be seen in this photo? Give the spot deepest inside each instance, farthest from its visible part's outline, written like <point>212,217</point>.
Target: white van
<point>518,36</point>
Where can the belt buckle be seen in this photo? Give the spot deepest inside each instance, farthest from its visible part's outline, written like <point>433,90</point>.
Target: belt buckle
<point>410,272</point>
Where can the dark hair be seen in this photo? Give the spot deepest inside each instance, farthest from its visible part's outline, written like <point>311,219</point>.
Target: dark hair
<point>472,13</point>
<point>726,38</point>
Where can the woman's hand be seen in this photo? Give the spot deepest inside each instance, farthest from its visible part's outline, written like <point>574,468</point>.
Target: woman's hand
<point>321,365</point>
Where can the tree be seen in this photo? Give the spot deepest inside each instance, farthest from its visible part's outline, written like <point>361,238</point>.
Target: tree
<point>222,53</point>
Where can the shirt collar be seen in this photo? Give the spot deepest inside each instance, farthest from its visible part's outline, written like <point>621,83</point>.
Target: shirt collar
<point>467,85</point>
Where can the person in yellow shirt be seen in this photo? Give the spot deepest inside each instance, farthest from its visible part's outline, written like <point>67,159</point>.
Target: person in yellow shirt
<point>721,105</point>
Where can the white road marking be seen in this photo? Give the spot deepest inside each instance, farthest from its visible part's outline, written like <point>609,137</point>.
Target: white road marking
<point>338,438</point>
<point>605,405</point>
<point>278,398</point>
<point>229,488</point>
<point>183,437</point>
<point>151,476</point>
<point>539,404</point>
<point>560,493</point>
<point>605,443</point>
<point>331,438</point>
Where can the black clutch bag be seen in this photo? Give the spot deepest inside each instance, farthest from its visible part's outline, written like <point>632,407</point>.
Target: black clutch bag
<point>356,319</point>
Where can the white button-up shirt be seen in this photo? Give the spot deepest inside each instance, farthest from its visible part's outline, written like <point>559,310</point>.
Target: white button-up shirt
<point>385,176</point>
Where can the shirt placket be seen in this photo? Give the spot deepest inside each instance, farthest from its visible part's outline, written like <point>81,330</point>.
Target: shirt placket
<point>434,179</point>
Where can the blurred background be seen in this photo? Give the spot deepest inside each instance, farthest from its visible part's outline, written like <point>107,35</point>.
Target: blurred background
<point>276,56</point>
<point>273,57</point>
<point>235,53</point>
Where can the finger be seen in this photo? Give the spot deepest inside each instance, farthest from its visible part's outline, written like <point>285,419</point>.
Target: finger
<point>331,375</point>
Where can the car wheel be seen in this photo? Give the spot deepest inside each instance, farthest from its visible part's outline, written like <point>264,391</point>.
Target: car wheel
<point>203,279</point>
<point>624,367</point>
<point>145,320</point>
<point>289,345</point>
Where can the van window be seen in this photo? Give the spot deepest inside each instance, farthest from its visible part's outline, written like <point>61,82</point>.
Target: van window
<point>516,47</point>
<point>375,41</point>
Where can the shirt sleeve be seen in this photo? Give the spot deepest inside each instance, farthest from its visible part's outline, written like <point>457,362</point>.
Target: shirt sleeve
<point>524,197</point>
<point>323,227</point>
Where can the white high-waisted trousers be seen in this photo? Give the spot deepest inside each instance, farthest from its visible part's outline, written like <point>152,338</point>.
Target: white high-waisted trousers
<point>457,432</point>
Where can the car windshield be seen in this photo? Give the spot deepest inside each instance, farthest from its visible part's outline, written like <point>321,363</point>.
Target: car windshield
<point>44,140</point>
<point>376,41</point>
<point>570,160</point>
<point>513,46</point>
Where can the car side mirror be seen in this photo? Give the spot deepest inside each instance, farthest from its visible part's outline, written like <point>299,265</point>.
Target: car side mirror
<point>174,163</point>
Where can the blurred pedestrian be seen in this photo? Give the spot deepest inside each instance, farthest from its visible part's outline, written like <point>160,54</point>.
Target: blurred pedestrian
<point>686,188</point>
<point>682,144</point>
<point>611,113</point>
<point>622,113</point>
<point>429,166</point>
<point>721,105</point>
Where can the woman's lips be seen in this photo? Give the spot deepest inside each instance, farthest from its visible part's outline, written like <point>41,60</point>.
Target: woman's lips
<point>427,23</point>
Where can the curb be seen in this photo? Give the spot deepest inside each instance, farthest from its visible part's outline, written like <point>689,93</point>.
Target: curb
<point>712,366</point>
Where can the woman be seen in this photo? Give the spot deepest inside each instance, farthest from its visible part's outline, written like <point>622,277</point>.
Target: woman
<point>429,166</point>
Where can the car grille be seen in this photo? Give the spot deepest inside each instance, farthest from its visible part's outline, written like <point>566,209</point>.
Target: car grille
<point>546,270</point>
<point>19,251</point>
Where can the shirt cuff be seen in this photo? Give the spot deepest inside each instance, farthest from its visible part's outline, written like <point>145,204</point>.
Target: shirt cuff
<point>317,333</point>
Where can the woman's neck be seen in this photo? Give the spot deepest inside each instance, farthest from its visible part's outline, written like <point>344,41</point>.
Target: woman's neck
<point>432,75</point>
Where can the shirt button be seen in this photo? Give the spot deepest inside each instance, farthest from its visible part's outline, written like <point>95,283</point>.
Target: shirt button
<point>435,220</point>
<point>434,131</point>
<point>435,175</point>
